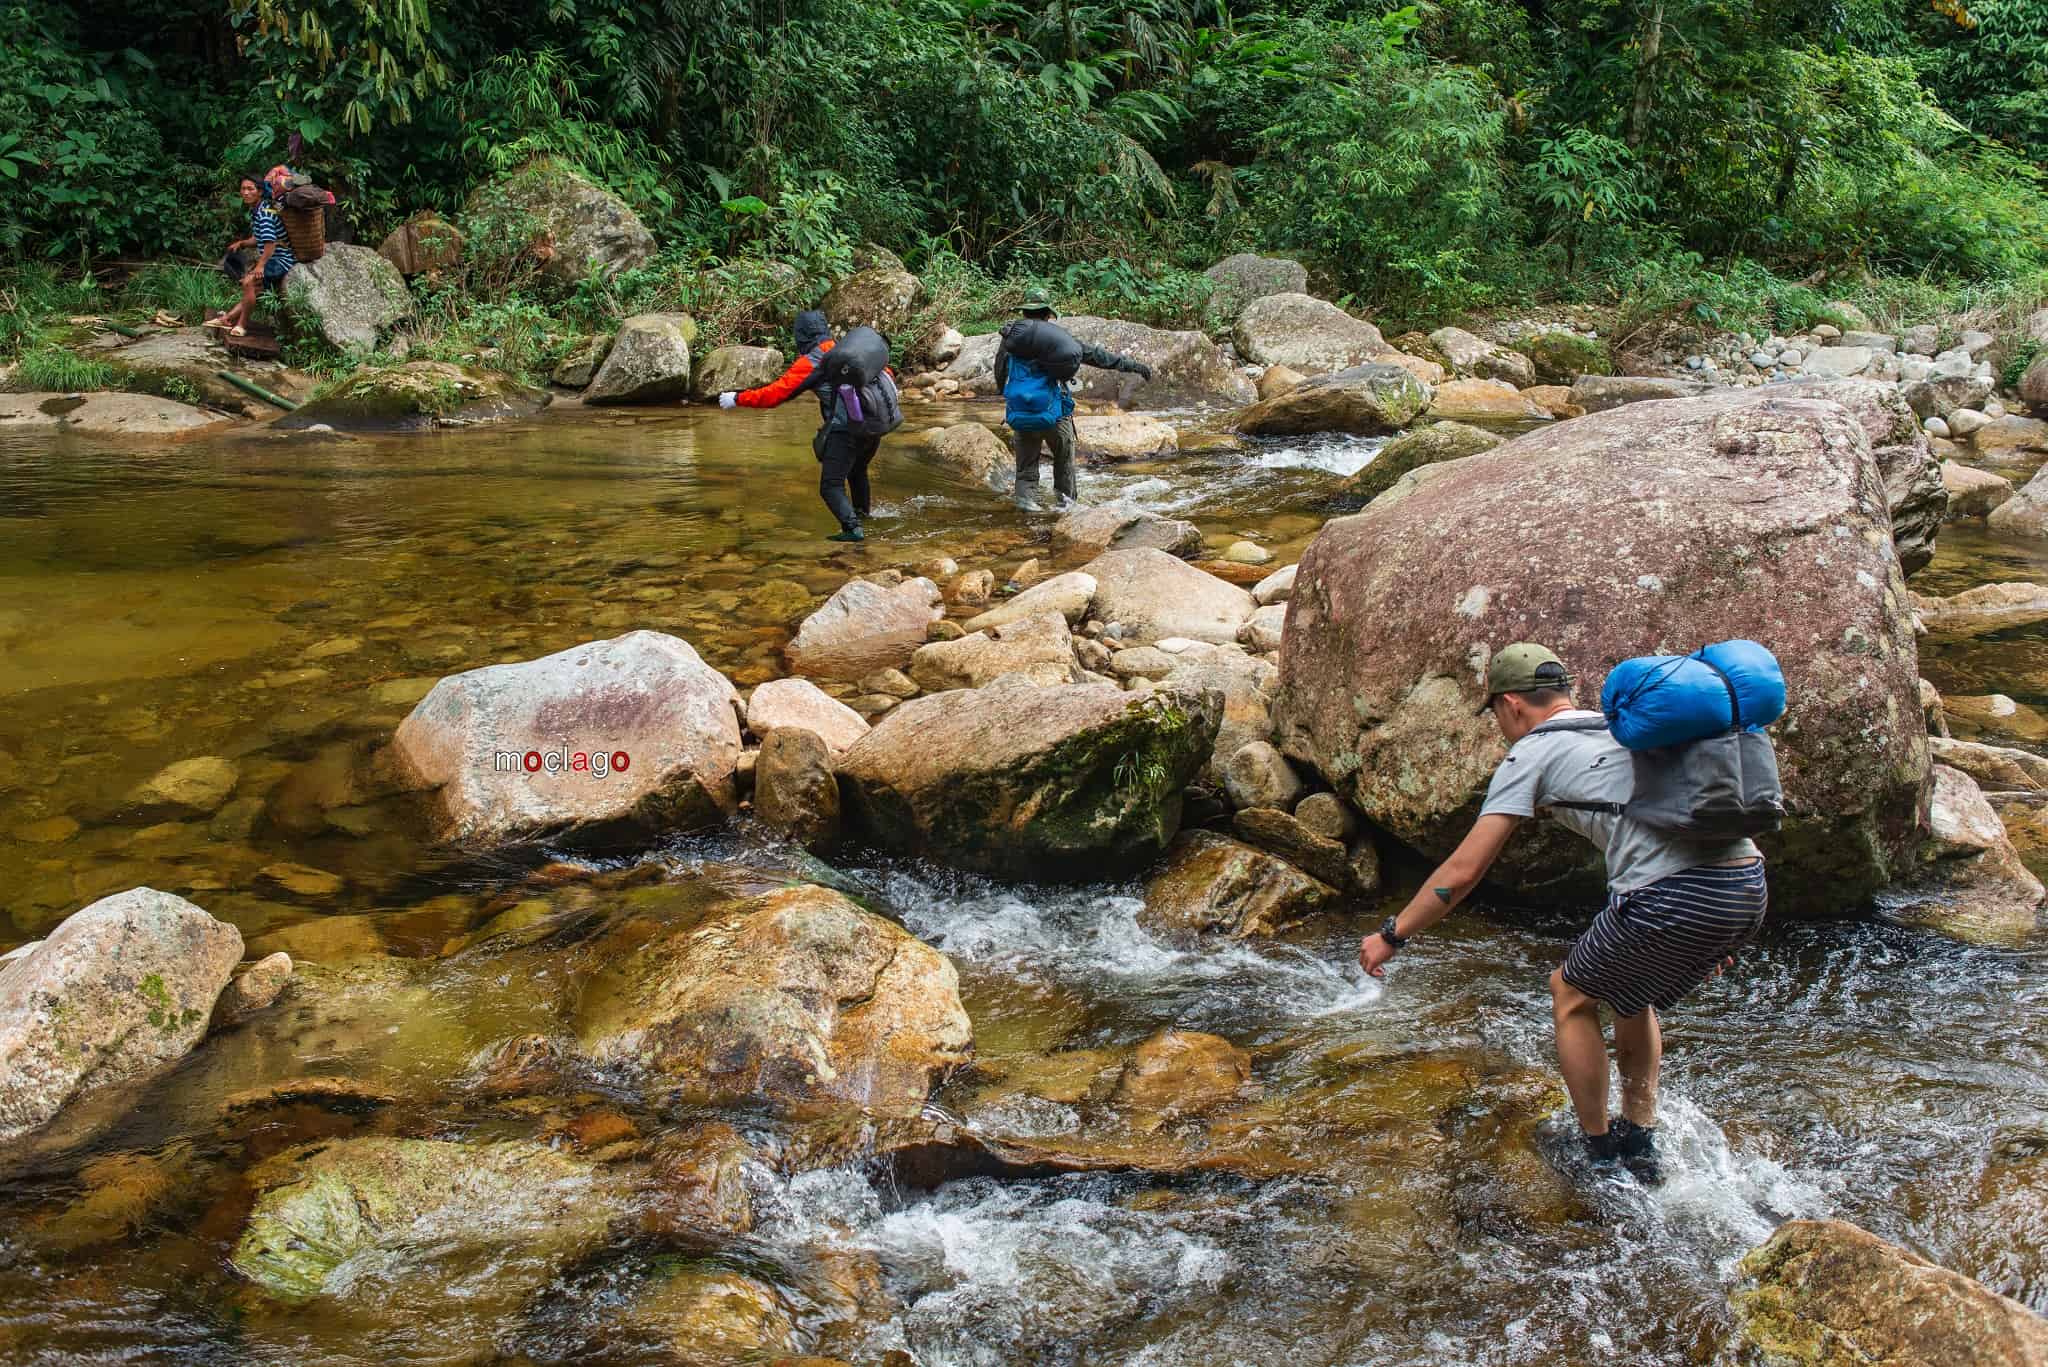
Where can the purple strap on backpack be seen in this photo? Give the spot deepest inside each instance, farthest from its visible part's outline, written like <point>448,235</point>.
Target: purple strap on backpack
<point>851,398</point>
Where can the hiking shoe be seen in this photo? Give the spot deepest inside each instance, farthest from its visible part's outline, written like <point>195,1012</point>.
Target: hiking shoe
<point>850,534</point>
<point>1636,1148</point>
<point>1602,1150</point>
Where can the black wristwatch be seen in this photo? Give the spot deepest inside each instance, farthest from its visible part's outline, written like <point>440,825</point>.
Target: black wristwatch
<point>1387,934</point>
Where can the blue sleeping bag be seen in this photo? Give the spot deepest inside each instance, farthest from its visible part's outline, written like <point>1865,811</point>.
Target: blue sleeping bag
<point>1655,701</point>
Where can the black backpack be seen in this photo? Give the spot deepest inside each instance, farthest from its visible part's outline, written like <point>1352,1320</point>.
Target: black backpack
<point>1723,787</point>
<point>1047,346</point>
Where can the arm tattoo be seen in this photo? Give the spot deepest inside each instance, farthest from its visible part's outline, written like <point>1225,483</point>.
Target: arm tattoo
<point>1442,895</point>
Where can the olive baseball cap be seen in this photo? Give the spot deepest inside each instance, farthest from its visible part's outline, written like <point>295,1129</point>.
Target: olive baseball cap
<point>1037,299</point>
<point>1521,667</point>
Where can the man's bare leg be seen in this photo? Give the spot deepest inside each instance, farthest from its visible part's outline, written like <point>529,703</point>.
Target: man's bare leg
<point>1638,1052</point>
<point>1581,1052</point>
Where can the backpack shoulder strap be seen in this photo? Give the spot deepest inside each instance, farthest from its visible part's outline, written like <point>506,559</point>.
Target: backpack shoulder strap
<point>1580,724</point>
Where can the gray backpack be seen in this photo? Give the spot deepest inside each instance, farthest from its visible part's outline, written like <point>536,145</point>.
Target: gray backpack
<point>1724,787</point>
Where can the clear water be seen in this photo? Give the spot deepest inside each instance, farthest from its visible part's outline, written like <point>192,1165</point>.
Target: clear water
<point>278,603</point>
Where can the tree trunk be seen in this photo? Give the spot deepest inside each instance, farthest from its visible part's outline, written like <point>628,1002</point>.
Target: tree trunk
<point>1650,46</point>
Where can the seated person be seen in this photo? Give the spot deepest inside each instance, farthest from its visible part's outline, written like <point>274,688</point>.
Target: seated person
<point>272,261</point>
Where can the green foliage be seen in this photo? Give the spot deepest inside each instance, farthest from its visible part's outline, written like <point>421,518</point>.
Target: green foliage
<point>188,292</point>
<point>1587,184</point>
<point>62,371</point>
<point>342,66</point>
<point>2022,357</point>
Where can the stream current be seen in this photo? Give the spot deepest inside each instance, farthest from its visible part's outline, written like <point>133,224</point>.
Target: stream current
<point>281,603</point>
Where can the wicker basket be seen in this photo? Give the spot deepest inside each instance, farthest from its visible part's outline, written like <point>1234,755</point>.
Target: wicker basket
<point>307,229</point>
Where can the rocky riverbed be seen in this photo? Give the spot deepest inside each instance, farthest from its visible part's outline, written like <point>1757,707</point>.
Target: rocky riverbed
<point>957,968</point>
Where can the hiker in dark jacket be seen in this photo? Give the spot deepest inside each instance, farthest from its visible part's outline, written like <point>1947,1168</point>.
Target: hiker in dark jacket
<point>1038,315</point>
<point>843,455</point>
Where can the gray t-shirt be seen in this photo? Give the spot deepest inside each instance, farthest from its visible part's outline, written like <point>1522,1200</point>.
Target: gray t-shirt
<point>1591,766</point>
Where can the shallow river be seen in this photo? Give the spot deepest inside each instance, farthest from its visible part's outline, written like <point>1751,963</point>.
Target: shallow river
<point>281,604</point>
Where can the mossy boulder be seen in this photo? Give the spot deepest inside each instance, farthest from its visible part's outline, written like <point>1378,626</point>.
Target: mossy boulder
<point>350,295</point>
<point>1561,357</point>
<point>1364,399</point>
<point>1063,783</point>
<point>1440,441</point>
<point>570,225</point>
<point>401,1205</point>
<point>416,396</point>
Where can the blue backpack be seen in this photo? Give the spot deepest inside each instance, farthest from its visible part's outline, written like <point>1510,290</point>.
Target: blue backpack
<point>1032,400</point>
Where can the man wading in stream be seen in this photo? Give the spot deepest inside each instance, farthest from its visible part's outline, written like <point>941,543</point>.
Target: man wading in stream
<point>1677,910</point>
<point>1035,362</point>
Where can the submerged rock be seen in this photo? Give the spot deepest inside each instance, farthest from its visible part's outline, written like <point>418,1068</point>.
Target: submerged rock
<point>1974,888</point>
<point>864,627</point>
<point>1093,528</point>
<point>605,740</point>
<point>1181,1071</point>
<point>1214,883</point>
<point>117,993</point>
<point>793,996</point>
<point>415,396</point>
<point>971,452</point>
<point>1060,784</point>
<point>1827,1292</point>
<point>1305,334</point>
<point>1646,529</point>
<point>1156,596</point>
<point>198,785</point>
<point>1363,399</point>
<point>330,1216</point>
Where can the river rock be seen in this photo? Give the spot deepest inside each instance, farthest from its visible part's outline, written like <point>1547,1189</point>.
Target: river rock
<point>1244,682</point>
<point>1599,393</point>
<point>882,297</point>
<point>1061,784</point>
<point>794,790</point>
<point>1236,281</point>
<point>1440,441</point>
<point>1325,814</point>
<point>649,361</point>
<point>415,396</point>
<point>709,1316</point>
<point>105,414</point>
<point>1561,357</point>
<point>1279,833</point>
<point>794,996</point>
<point>568,223</point>
<point>1478,358</point>
<point>1973,886</point>
<point>1982,610</point>
<point>1187,368</point>
<point>1477,400</point>
<point>1156,596</point>
<point>2033,384</point>
<point>1276,587</point>
<point>1092,528</point>
<point>2026,512</point>
<point>1995,768</point>
<point>1365,400</point>
<point>735,367</point>
<point>802,704</point>
<point>351,294</point>
<point>1122,436</point>
<point>1066,594</point>
<point>2011,437</point>
<point>1039,649</point>
<point>1972,492</point>
<point>1304,333</point>
<point>1827,1292</point>
<point>1993,714</point>
<point>1939,397</point>
<point>116,994</point>
<point>1214,883</point>
<point>252,990</point>
<point>329,1214</point>
<point>864,627</point>
<point>644,695</point>
<point>423,244</point>
<point>1555,401</point>
<point>1260,776</point>
<point>970,452</point>
<point>198,785</point>
<point>1276,380</point>
<point>1178,1072</point>
<point>194,358</point>
<point>1556,537</point>
<point>1911,472</point>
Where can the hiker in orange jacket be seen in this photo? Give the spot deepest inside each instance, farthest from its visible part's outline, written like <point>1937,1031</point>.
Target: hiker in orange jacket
<point>842,456</point>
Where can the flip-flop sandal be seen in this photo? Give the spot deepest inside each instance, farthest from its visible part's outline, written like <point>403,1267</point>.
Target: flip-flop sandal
<point>238,331</point>
<point>219,322</point>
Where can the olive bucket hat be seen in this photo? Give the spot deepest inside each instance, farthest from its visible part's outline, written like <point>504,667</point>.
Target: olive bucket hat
<point>1522,667</point>
<point>1038,299</point>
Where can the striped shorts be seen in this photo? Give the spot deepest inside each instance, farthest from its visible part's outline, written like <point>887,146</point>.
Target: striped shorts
<point>1653,946</point>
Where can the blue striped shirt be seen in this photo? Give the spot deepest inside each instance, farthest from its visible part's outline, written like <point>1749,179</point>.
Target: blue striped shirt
<point>267,227</point>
